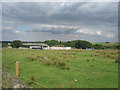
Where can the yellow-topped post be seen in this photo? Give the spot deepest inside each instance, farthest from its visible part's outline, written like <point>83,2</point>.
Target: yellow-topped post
<point>17,68</point>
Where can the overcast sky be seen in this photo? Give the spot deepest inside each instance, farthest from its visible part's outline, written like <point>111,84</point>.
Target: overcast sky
<point>91,21</point>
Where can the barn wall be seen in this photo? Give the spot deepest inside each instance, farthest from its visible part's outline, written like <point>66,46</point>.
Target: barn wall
<point>58,48</point>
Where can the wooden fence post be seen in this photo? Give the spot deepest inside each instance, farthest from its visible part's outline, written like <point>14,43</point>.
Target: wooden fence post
<point>17,69</point>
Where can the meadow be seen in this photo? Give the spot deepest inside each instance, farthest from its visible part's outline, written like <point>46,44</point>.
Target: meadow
<point>64,68</point>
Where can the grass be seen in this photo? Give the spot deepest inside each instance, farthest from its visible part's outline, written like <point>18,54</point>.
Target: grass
<point>105,44</point>
<point>0,68</point>
<point>64,68</point>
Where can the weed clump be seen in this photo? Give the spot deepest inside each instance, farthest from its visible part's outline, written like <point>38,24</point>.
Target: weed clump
<point>87,60</point>
<point>66,68</point>
<point>93,59</point>
<point>117,61</point>
<point>32,58</point>
<point>62,63</point>
<point>91,55</point>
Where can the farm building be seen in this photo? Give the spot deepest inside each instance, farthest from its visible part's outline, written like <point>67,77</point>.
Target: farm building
<point>58,48</point>
<point>9,45</point>
<point>40,46</point>
<point>33,46</point>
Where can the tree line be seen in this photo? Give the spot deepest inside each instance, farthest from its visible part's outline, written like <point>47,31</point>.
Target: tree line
<point>79,44</point>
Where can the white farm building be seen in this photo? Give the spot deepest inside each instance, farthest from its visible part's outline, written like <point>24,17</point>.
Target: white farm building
<point>58,48</point>
<point>41,46</point>
<point>33,46</point>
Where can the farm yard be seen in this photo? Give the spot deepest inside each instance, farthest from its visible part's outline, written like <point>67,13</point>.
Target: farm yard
<point>77,68</point>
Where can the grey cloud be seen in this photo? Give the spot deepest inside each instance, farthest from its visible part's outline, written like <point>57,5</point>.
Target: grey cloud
<point>89,13</point>
<point>94,16</point>
<point>55,30</point>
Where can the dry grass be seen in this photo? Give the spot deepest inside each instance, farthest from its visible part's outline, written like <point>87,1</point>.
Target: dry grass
<point>51,60</point>
<point>113,54</point>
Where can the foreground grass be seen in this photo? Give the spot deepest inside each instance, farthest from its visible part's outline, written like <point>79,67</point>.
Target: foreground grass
<point>64,69</point>
<point>0,68</point>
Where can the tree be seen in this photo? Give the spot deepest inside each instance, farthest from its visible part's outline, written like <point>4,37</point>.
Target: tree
<point>68,43</point>
<point>4,44</point>
<point>16,44</point>
<point>98,46</point>
<point>81,44</point>
<point>52,42</point>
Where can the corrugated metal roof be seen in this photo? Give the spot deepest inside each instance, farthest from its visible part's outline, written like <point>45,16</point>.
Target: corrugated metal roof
<point>41,44</point>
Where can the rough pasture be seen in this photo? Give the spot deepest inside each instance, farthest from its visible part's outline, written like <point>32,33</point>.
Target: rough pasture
<point>64,68</point>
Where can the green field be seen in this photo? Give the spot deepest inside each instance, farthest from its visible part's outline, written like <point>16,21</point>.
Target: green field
<point>64,68</point>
